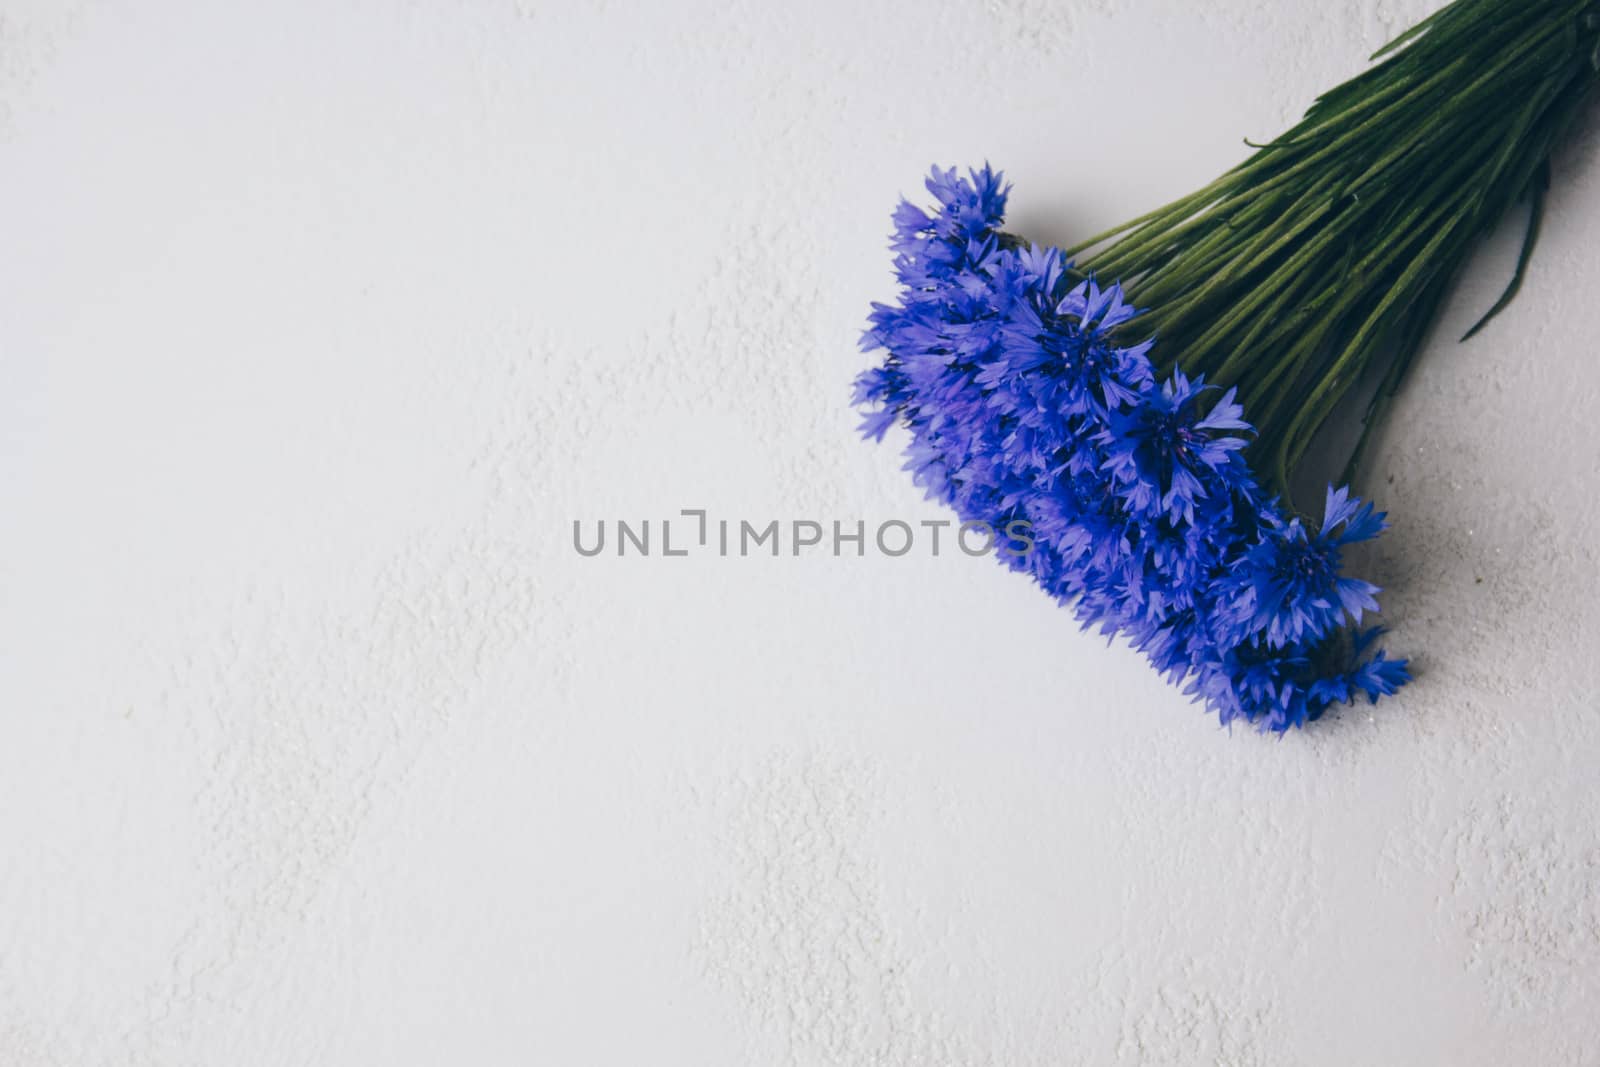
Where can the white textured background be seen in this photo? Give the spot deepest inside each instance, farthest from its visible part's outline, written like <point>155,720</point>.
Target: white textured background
<point>319,324</point>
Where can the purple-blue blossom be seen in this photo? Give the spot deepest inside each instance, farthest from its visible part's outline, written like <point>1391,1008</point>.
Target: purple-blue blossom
<point>1020,401</point>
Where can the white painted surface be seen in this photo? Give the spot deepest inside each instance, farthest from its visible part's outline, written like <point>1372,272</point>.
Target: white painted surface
<point>319,744</point>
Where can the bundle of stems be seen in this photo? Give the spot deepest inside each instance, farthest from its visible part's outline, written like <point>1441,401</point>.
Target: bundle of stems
<point>1326,254</point>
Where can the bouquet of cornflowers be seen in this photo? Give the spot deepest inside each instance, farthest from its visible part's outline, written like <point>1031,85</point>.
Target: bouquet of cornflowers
<point>1152,452</point>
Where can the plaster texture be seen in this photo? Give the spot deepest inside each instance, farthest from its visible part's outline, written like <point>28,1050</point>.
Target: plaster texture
<point>320,745</point>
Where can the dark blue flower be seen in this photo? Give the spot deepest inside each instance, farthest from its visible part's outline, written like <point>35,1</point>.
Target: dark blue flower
<point>1097,310</point>
<point>1374,675</point>
<point>970,206</point>
<point>1089,375</point>
<point>1280,688</point>
<point>1165,455</point>
<point>1289,586</point>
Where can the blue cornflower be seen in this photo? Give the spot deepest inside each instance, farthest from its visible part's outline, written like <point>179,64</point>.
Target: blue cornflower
<point>969,206</point>
<point>1063,338</point>
<point>1258,685</point>
<point>1165,455</point>
<point>1097,310</point>
<point>1284,687</point>
<point>1084,524</point>
<point>1288,586</point>
<point>1376,675</point>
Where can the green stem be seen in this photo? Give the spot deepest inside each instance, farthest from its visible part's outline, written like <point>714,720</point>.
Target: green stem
<point>1330,250</point>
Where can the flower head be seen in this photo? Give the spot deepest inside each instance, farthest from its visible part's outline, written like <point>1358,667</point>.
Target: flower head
<point>968,207</point>
<point>1088,375</point>
<point>1290,586</point>
<point>1165,455</point>
<point>1277,688</point>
